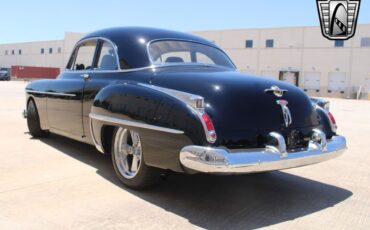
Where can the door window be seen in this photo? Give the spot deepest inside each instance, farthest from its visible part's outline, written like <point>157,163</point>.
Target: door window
<point>85,56</point>
<point>107,58</point>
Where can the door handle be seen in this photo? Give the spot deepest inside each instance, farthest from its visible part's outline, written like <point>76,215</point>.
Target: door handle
<point>85,76</point>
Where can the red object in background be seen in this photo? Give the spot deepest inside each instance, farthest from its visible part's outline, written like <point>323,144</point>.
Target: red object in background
<point>33,72</point>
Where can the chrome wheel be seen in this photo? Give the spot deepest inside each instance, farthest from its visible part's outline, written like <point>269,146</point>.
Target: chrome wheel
<point>127,152</point>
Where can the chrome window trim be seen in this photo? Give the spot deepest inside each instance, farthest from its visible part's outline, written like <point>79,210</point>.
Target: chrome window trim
<point>94,39</point>
<point>119,121</point>
<point>152,67</point>
<point>112,71</point>
<point>51,93</point>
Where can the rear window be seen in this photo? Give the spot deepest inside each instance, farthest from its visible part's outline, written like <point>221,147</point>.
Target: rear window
<point>186,52</point>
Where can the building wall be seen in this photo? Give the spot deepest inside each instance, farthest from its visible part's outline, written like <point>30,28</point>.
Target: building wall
<point>300,49</point>
<point>31,52</point>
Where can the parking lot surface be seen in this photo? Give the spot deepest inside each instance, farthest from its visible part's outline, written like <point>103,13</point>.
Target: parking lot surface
<point>57,183</point>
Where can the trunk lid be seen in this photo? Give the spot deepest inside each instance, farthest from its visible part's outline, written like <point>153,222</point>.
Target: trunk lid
<point>241,110</point>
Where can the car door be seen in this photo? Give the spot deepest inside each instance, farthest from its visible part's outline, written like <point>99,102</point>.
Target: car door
<point>105,70</point>
<point>65,105</point>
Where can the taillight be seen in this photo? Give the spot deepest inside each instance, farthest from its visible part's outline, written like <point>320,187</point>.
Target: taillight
<point>333,123</point>
<point>332,119</point>
<point>210,129</point>
<point>208,122</point>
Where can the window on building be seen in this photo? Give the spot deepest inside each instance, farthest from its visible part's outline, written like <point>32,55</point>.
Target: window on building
<point>6,52</point>
<point>365,42</point>
<point>339,43</point>
<point>13,52</point>
<point>249,44</point>
<point>42,50</point>
<point>50,50</point>
<point>20,52</point>
<point>59,50</point>
<point>270,43</point>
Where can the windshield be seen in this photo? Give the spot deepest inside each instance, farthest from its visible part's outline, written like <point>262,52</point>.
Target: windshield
<point>186,52</point>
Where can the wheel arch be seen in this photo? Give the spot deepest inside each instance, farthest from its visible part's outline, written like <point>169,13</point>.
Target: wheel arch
<point>165,124</point>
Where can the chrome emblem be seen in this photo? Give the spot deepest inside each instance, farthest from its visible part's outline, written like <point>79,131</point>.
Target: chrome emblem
<point>276,91</point>
<point>338,18</point>
<point>286,112</point>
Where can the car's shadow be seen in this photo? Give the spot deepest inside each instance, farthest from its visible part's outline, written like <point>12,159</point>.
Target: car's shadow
<point>222,202</point>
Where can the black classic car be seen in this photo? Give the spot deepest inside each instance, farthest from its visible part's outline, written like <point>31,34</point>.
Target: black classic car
<point>158,100</point>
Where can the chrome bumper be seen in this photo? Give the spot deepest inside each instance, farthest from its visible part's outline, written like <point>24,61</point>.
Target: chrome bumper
<point>224,161</point>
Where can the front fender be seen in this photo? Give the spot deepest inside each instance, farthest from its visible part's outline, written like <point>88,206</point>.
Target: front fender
<point>165,123</point>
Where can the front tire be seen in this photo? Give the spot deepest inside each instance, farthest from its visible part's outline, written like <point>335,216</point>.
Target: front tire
<point>33,121</point>
<point>128,161</point>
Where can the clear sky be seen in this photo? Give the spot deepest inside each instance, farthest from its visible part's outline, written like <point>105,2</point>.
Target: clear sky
<point>37,20</point>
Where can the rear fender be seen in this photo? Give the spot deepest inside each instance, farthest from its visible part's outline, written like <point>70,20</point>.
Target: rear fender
<point>165,123</point>
<point>325,122</point>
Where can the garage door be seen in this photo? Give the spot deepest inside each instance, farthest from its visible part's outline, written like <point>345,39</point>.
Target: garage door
<point>269,74</point>
<point>289,77</point>
<point>312,80</point>
<point>337,82</point>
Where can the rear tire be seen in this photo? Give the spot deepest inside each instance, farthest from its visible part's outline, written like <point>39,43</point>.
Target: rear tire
<point>33,121</point>
<point>128,161</point>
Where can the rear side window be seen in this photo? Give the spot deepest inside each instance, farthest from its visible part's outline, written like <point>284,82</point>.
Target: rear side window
<point>85,56</point>
<point>107,58</point>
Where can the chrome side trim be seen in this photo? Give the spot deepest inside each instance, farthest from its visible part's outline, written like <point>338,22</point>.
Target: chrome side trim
<point>188,100</point>
<point>225,161</point>
<point>118,121</point>
<point>97,146</point>
<point>51,93</point>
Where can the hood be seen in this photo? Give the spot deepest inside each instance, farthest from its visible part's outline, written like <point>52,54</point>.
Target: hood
<point>238,104</point>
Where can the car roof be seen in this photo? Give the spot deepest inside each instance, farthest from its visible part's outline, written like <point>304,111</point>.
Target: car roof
<point>132,42</point>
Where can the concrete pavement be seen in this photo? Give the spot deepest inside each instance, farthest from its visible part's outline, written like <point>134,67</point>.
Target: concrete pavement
<point>57,183</point>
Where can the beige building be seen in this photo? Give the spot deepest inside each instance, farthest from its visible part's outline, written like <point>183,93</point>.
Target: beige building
<point>301,56</point>
<point>41,54</point>
<point>298,55</point>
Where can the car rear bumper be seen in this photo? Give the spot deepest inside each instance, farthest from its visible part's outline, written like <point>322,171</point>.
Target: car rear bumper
<point>224,161</point>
